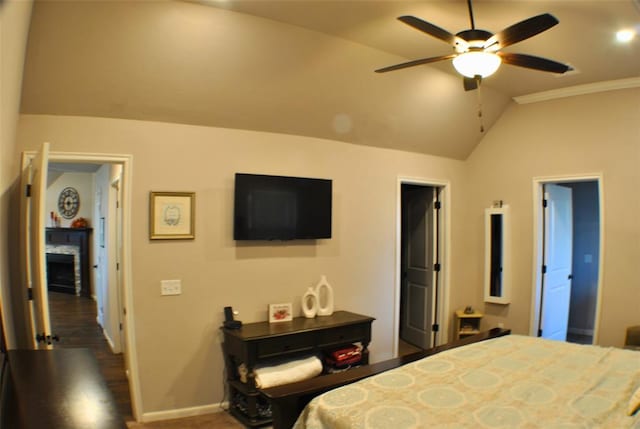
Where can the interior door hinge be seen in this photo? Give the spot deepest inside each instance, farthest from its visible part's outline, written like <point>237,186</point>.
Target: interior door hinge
<point>544,269</point>
<point>438,205</point>
<point>539,332</point>
<point>117,266</point>
<point>435,327</point>
<point>30,294</point>
<point>121,326</point>
<point>436,267</point>
<point>27,190</point>
<point>544,202</point>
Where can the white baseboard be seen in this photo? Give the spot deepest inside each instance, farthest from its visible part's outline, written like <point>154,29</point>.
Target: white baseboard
<point>109,340</point>
<point>155,416</point>
<point>579,331</point>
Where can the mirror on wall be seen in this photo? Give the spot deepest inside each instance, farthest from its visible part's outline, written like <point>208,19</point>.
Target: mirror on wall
<point>497,255</point>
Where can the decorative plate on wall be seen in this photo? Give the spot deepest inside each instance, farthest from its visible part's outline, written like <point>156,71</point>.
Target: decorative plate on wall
<point>69,203</point>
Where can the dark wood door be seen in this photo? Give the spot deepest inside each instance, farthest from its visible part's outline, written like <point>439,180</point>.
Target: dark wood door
<point>417,287</point>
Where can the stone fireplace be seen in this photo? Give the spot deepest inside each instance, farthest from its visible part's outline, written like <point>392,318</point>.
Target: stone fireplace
<point>68,260</point>
<point>63,269</point>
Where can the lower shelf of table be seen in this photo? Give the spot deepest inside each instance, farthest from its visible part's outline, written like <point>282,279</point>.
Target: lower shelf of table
<point>247,421</point>
<point>242,399</point>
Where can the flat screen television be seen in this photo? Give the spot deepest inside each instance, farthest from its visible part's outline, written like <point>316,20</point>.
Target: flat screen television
<point>281,208</point>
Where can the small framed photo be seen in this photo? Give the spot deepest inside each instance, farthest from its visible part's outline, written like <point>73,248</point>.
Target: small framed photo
<point>280,312</point>
<point>172,215</point>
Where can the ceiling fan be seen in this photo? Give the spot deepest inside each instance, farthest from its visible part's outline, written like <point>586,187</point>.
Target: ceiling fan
<point>477,52</point>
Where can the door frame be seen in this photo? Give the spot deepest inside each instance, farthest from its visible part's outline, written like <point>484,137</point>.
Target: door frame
<point>131,360</point>
<point>115,190</point>
<point>538,217</point>
<point>442,285</point>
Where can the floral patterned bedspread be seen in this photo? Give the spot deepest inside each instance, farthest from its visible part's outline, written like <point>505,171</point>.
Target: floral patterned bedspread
<point>508,382</point>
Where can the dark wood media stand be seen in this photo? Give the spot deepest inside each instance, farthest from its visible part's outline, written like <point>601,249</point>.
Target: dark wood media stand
<point>261,342</point>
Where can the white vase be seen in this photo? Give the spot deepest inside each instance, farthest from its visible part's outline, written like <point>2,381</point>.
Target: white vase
<point>324,295</point>
<point>310,304</point>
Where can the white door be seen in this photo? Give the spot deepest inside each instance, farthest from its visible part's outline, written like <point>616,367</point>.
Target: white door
<point>558,245</point>
<point>33,244</point>
<point>418,276</point>
<point>120,313</point>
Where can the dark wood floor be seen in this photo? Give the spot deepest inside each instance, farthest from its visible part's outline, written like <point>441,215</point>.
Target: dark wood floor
<point>73,319</point>
<point>405,348</point>
<point>579,339</point>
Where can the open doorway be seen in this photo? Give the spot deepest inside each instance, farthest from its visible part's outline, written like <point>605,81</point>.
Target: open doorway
<point>569,239</point>
<point>96,208</point>
<point>116,181</point>
<point>421,269</point>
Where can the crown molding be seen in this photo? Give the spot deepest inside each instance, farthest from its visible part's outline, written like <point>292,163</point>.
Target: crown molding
<point>572,91</point>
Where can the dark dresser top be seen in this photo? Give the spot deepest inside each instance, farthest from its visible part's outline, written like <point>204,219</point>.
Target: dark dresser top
<point>61,389</point>
<point>258,330</point>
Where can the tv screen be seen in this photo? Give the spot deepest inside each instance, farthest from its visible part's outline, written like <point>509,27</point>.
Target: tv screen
<point>281,208</point>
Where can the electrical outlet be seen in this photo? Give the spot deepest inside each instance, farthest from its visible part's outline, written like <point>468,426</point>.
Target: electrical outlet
<point>170,287</point>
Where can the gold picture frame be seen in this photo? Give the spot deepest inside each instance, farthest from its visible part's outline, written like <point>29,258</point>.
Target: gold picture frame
<point>172,215</point>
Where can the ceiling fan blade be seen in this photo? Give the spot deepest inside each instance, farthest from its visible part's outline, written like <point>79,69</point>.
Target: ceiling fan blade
<point>521,31</point>
<point>470,83</point>
<point>415,63</point>
<point>430,29</point>
<point>531,62</point>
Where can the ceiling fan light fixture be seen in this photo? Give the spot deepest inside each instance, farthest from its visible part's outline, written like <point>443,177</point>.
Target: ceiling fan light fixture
<point>477,63</point>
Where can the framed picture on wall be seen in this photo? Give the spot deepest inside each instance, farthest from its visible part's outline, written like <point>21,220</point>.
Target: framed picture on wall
<point>172,215</point>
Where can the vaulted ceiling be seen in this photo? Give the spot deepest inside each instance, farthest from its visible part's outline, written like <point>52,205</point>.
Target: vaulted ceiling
<point>305,67</point>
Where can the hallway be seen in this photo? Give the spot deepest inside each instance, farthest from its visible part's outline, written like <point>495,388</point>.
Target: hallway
<point>73,319</point>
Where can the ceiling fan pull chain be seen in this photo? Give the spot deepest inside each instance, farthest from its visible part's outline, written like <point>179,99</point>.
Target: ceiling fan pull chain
<point>480,118</point>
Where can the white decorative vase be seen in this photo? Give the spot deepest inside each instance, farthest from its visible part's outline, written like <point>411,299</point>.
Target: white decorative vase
<point>310,304</point>
<point>324,296</point>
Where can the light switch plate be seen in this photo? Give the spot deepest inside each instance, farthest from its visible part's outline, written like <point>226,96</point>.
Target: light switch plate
<point>170,287</point>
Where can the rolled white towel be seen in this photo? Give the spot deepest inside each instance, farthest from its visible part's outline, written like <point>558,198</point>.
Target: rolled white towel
<point>288,372</point>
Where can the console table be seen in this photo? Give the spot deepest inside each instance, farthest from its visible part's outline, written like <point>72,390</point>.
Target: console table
<point>256,343</point>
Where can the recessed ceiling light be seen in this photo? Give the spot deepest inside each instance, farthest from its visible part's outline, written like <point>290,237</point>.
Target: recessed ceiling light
<point>625,36</point>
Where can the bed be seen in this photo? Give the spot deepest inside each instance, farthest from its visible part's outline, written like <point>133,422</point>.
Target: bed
<point>511,381</point>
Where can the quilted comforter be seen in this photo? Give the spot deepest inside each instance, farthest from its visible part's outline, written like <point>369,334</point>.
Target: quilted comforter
<point>508,382</point>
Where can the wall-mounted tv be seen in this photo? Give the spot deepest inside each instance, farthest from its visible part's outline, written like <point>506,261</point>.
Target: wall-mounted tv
<point>281,208</point>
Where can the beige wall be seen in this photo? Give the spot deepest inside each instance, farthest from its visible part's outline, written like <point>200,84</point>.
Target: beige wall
<point>14,26</point>
<point>598,133</point>
<point>84,184</point>
<point>178,344</point>
<point>178,347</point>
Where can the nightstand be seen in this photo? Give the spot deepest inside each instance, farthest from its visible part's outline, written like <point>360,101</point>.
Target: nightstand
<point>467,323</point>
